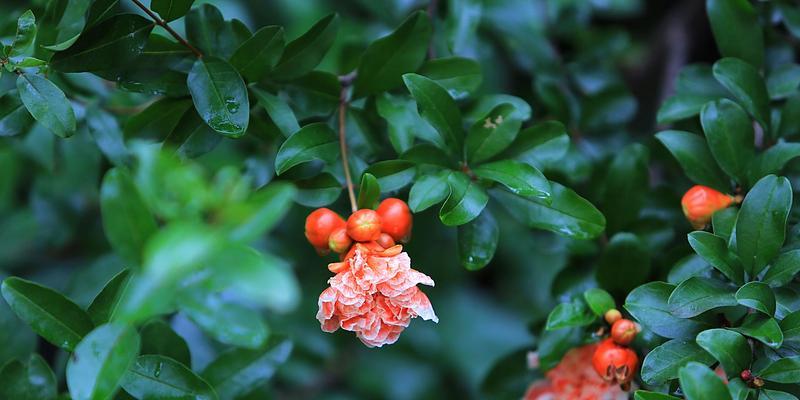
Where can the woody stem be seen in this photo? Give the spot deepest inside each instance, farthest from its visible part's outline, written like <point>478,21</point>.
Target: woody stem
<point>345,81</point>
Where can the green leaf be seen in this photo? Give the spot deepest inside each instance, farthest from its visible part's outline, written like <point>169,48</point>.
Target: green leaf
<point>111,44</point>
<point>695,87</point>
<point>47,104</point>
<point>253,217</point>
<point>463,19</point>
<point>663,362</point>
<point>237,372</point>
<point>486,103</point>
<point>304,53</point>
<point>729,133</point>
<point>33,380</point>
<point>761,225</point>
<point>127,221</point>
<point>739,389</point>
<point>723,222</point>
<point>428,154</point>
<point>790,326</point>
<point>737,30</point>
<point>694,157</point>
<point>386,60</point>
<point>699,382</point>
<point>697,295</point>
<point>568,315</point>
<point>220,96</point>
<point>758,296</point>
<point>314,141</point>
<point>714,250</point>
<point>100,360</point>
<point>170,10</point>
<point>158,120</point>
<point>465,202</point>
<point>492,134</point>
<point>762,328</point>
<point>728,347</point>
<point>227,322</point>
<point>783,81</point>
<point>627,173</point>
<point>369,191</point>
<point>545,142</point>
<point>100,10</point>
<point>645,395</point>
<point>61,24</point>
<point>106,132</point>
<point>519,178</point>
<point>26,33</point>
<point>460,76</point>
<point>54,317</point>
<point>393,174</point>
<point>649,305</point>
<point>599,301</point>
<point>772,160</point>
<point>746,85</point>
<point>318,191</point>
<point>767,394</point>
<point>567,213</point>
<point>158,338</point>
<point>258,54</point>
<point>14,118</point>
<point>624,263</point>
<point>279,112</point>
<point>784,370</point>
<point>104,305</point>
<point>158,377</point>
<point>207,30</point>
<point>477,241</point>
<point>428,190</point>
<point>405,123</point>
<point>438,108</point>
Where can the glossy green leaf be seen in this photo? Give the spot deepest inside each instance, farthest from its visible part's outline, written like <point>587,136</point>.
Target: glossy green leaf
<point>762,328</point>
<point>127,221</point>
<point>465,202</point>
<point>728,347</point>
<point>492,134</point>
<point>519,178</point>
<point>386,60</point>
<point>746,85</point>
<point>158,338</point>
<point>696,295</point>
<point>649,305</point>
<point>694,157</point>
<point>567,213</point>
<point>207,30</point>
<point>314,141</point>
<point>392,174</point>
<point>570,314</point>
<point>220,96</point>
<point>545,142</point>
<point>729,133</point>
<point>663,362</point>
<point>54,317</point>
<point>714,250</point>
<point>405,123</point>
<point>104,305</point>
<point>758,296</point>
<point>699,382</point>
<point>47,104</point>
<point>100,360</point>
<point>438,108</point>
<point>258,54</point>
<point>33,380</point>
<point>783,269</point>
<point>111,44</point>
<point>477,241</point>
<point>737,30</point>
<point>761,226</point>
<point>170,10</point>
<point>599,301</point>
<point>369,192</point>
<point>723,222</point>
<point>772,160</point>
<point>428,154</point>
<point>486,103</point>
<point>428,190</point>
<point>277,109</point>
<point>460,76</point>
<point>237,372</point>
<point>26,33</point>
<point>304,53</point>
<point>784,370</point>
<point>768,394</point>
<point>159,377</point>
<point>318,191</point>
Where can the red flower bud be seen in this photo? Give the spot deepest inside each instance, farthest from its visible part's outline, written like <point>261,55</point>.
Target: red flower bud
<point>746,375</point>
<point>700,202</point>
<point>364,225</point>
<point>385,241</point>
<point>624,331</point>
<point>338,241</point>
<point>395,219</point>
<point>319,225</point>
<point>615,363</point>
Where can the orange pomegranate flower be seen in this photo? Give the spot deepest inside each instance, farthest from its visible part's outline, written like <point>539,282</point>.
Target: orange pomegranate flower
<point>575,379</point>
<point>374,294</point>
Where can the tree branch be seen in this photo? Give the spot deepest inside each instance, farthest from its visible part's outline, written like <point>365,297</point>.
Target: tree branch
<point>160,22</point>
<point>346,81</point>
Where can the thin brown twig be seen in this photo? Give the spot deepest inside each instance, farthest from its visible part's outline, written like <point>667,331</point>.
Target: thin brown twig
<point>345,81</point>
<point>160,22</point>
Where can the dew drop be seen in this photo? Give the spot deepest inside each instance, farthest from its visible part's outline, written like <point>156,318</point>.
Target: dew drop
<point>231,104</point>
<point>157,371</point>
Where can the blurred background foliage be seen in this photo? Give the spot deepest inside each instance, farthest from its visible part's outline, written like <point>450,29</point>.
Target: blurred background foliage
<point>602,67</point>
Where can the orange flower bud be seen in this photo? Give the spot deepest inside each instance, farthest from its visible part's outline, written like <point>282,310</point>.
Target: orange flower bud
<point>364,225</point>
<point>624,331</point>
<point>614,362</point>
<point>395,219</point>
<point>338,241</point>
<point>319,225</point>
<point>700,202</point>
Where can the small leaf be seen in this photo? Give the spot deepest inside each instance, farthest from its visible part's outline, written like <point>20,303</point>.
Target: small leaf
<point>663,362</point>
<point>761,225</point>
<point>746,85</point>
<point>54,317</point>
<point>26,33</point>
<point>460,76</point>
<point>392,174</point>
<point>568,315</point>
<point>465,202</point>
<point>649,305</point>
<point>758,296</point>
<point>314,141</point>
<point>304,53</point>
<point>258,54</point>
<point>772,160</point>
<point>728,347</point>
<point>127,221</point>
<point>492,134</point>
<point>158,377</point>
<point>279,112</point>
<point>158,338</point>
<point>790,326</point>
<point>47,104</point>
<point>104,305</point>
<point>599,301</point>
<point>220,96</point>
<point>170,10</point>
<point>767,394</point>
<point>545,142</point>
<point>696,295</point>
<point>100,360</point>
<point>695,159</point>
<point>207,30</point>
<point>762,328</point>
<point>729,133</point>
<point>714,250</point>
<point>519,178</point>
<point>737,30</point>
<point>238,372</point>
<point>784,370</point>
<point>428,191</point>
<point>699,382</point>
<point>477,241</point>
<point>369,191</point>
<point>438,108</point>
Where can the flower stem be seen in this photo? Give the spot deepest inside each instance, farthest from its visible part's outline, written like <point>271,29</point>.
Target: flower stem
<point>345,81</point>
<point>160,22</point>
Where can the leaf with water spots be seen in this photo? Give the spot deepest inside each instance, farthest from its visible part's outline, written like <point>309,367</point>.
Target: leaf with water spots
<point>220,96</point>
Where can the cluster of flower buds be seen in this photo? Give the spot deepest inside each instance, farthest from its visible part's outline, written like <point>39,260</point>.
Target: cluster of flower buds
<point>613,360</point>
<point>699,203</point>
<point>374,292</point>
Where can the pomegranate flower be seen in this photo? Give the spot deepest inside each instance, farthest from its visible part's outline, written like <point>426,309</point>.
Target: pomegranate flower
<point>375,295</point>
<point>575,379</point>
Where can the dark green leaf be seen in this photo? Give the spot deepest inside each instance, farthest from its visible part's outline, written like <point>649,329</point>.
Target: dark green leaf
<point>14,118</point>
<point>405,123</point>
<point>520,178</point>
<point>737,30</point>
<point>484,104</point>
<point>663,362</point>
<point>728,347</point>
<point>477,241</point>
<point>568,315</point>
<point>54,317</point>
<point>428,191</point>
<point>696,295</point>
<point>783,81</point>
<point>714,250</point>
<point>491,135</point>
<point>304,53</point>
<point>26,33</point>
<point>746,85</point>
<point>767,394</point>
<point>312,142</point>
<point>238,372</point>
<point>320,190</point>
<point>761,225</point>
<point>648,304</point>
<point>33,380</point>
<point>545,142</point>
<point>207,30</point>
<point>392,174</point>
<point>369,191</point>
<point>158,377</point>
<point>386,60</point>
<point>693,155</point>
<point>460,76</point>
<point>47,104</point>
<point>100,360</point>
<point>758,296</point>
<point>784,370</point>
<point>599,301</point>
<point>624,263</point>
<point>729,133</point>
<point>158,338</point>
<point>220,96</point>
<point>465,202</point>
<point>277,109</point>
<point>258,54</point>
<point>723,222</point>
<point>699,382</point>
<point>772,160</point>
<point>105,304</point>
<point>127,221</point>
<point>628,173</point>
<point>761,328</point>
<point>790,326</point>
<point>438,108</point>
<point>170,10</point>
